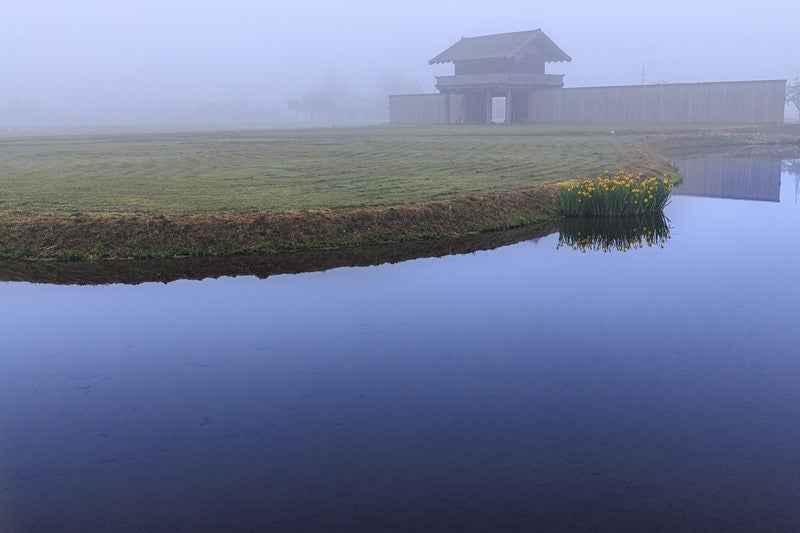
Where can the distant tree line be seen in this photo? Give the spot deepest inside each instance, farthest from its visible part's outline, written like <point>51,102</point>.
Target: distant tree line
<point>335,103</point>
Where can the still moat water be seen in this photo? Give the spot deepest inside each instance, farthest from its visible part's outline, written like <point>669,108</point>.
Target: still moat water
<point>539,386</point>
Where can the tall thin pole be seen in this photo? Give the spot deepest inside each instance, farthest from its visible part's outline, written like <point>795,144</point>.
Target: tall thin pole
<point>643,71</point>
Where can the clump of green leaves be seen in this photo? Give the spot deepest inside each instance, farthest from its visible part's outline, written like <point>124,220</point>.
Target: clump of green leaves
<point>614,195</point>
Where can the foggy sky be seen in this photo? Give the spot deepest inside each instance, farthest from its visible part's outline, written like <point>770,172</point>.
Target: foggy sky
<point>100,61</point>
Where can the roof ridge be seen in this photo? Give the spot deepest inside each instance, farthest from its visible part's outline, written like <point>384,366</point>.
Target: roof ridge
<point>501,45</point>
<point>527,41</point>
<point>503,33</point>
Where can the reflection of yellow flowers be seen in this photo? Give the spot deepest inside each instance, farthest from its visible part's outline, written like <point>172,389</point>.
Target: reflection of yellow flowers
<point>609,234</point>
<point>615,194</point>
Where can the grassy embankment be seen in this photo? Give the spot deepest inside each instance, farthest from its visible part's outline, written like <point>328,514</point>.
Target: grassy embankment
<point>251,192</point>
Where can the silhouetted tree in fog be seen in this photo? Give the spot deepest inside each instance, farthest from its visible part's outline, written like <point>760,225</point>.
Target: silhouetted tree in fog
<point>314,103</point>
<point>394,83</point>
<point>792,167</point>
<point>335,102</point>
<point>793,93</point>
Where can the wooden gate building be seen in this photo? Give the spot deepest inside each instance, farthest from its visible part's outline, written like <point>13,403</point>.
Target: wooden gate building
<point>506,65</point>
<point>512,66</point>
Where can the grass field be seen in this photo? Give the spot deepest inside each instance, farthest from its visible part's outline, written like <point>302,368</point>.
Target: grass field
<point>194,194</point>
<point>295,169</point>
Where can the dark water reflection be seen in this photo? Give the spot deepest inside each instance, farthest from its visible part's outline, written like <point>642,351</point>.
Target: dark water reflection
<point>523,388</point>
<point>613,234</point>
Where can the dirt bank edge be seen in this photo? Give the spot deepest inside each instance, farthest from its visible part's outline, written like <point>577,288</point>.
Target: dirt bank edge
<point>94,237</point>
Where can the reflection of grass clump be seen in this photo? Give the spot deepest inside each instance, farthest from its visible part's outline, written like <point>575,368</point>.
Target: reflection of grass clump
<point>608,234</point>
<point>614,194</point>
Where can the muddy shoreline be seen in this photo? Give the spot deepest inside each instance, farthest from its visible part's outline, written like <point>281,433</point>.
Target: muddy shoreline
<point>137,271</point>
<point>80,237</point>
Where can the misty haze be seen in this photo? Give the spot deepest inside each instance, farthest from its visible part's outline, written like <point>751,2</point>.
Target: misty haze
<point>399,266</point>
<point>238,64</point>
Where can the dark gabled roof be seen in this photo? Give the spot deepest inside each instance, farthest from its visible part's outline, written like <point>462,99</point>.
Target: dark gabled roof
<point>502,45</point>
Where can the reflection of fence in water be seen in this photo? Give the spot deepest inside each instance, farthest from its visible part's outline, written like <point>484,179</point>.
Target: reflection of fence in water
<point>609,234</point>
<point>732,178</point>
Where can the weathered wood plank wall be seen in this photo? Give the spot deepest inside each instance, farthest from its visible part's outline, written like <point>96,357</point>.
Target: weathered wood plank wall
<point>425,109</point>
<point>749,102</point>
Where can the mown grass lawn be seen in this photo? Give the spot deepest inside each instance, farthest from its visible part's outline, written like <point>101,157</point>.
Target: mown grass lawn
<point>280,170</point>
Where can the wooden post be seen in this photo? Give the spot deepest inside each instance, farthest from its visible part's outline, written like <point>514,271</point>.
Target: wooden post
<point>531,118</point>
<point>509,107</point>
<point>488,107</point>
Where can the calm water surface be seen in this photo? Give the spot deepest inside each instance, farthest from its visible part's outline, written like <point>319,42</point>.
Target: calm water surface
<point>526,388</point>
